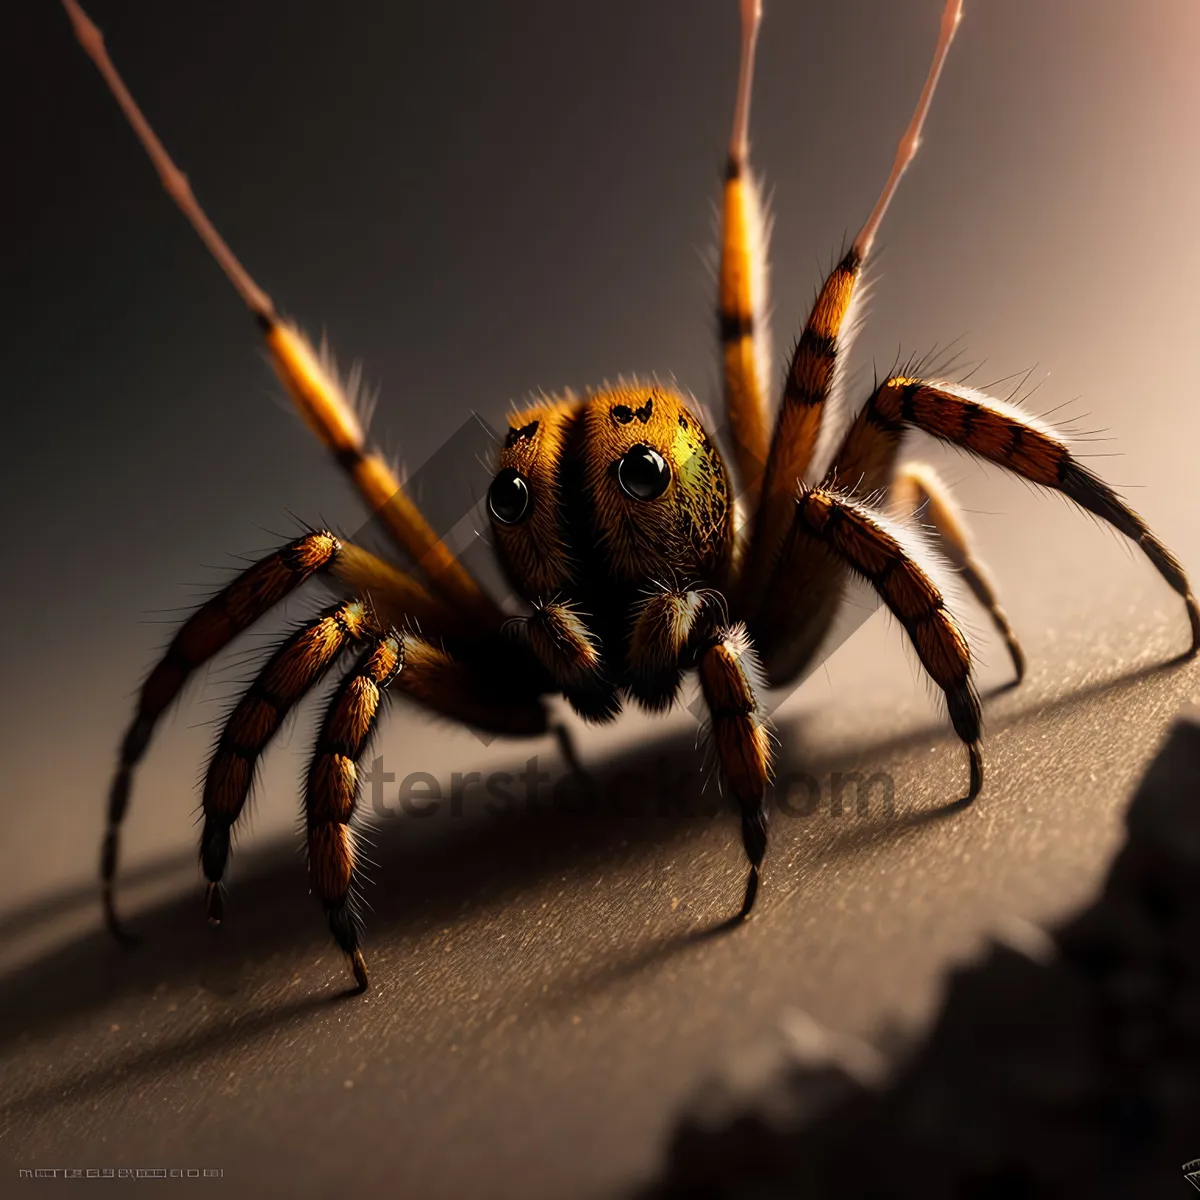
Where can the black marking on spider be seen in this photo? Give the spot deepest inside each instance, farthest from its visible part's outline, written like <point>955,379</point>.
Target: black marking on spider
<point>879,579</point>
<point>970,415</point>
<point>877,417</point>
<point>851,261</point>
<point>819,345</point>
<point>520,435</point>
<point>735,326</point>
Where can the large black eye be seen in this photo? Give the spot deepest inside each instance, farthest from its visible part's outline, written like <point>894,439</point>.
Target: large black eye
<point>643,473</point>
<point>509,497</point>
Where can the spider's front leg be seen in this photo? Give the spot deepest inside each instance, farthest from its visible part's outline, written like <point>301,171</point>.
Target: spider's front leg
<point>425,673</point>
<point>678,627</point>
<point>329,408</point>
<point>728,671</point>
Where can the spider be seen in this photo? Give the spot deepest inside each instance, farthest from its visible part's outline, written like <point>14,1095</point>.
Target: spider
<point>614,518</point>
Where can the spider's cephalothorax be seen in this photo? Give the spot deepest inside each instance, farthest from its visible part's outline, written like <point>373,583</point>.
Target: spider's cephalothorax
<point>613,518</point>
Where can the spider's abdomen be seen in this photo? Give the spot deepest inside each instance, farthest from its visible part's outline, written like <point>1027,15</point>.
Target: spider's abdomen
<point>598,499</point>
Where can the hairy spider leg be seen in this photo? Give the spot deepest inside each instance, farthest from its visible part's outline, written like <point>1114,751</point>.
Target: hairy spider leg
<point>292,671</point>
<point>886,555</point>
<point>918,491</point>
<point>427,674</point>
<point>332,788</point>
<point>233,610</point>
<point>322,400</point>
<point>1003,434</point>
<point>558,636</point>
<point>742,314</point>
<point>728,674</point>
<point>816,365</point>
<point>207,631</point>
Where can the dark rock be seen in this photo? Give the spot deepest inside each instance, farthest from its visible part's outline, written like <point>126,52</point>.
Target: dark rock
<point>1067,1067</point>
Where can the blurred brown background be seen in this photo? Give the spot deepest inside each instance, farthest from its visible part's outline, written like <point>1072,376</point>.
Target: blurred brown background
<point>476,200</point>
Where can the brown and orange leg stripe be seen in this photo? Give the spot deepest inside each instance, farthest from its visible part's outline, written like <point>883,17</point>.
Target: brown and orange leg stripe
<point>332,788</point>
<point>1003,436</point>
<point>743,239</point>
<point>868,548</point>
<point>289,674</point>
<point>798,426</point>
<point>918,491</point>
<point>745,394</point>
<point>212,627</point>
<point>742,741</point>
<point>327,407</point>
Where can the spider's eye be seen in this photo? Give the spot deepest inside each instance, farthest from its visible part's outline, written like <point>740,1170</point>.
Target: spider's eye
<point>643,473</point>
<point>509,497</point>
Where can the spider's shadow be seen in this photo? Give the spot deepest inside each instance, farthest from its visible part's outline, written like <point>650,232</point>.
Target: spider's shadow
<point>430,881</point>
<point>429,873</point>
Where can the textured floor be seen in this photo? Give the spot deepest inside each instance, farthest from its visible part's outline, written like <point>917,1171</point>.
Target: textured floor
<point>1066,1062</point>
<point>545,994</point>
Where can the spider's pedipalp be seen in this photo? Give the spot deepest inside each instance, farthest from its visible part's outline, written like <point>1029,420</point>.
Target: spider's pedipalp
<point>291,672</point>
<point>665,624</point>
<point>1000,433</point>
<point>918,491</point>
<point>314,387</point>
<point>205,633</point>
<point>558,636</point>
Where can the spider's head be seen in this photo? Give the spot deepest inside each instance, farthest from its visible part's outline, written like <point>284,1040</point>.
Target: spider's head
<point>627,480</point>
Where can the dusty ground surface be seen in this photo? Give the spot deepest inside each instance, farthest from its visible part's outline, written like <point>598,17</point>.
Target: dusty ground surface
<point>546,987</point>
